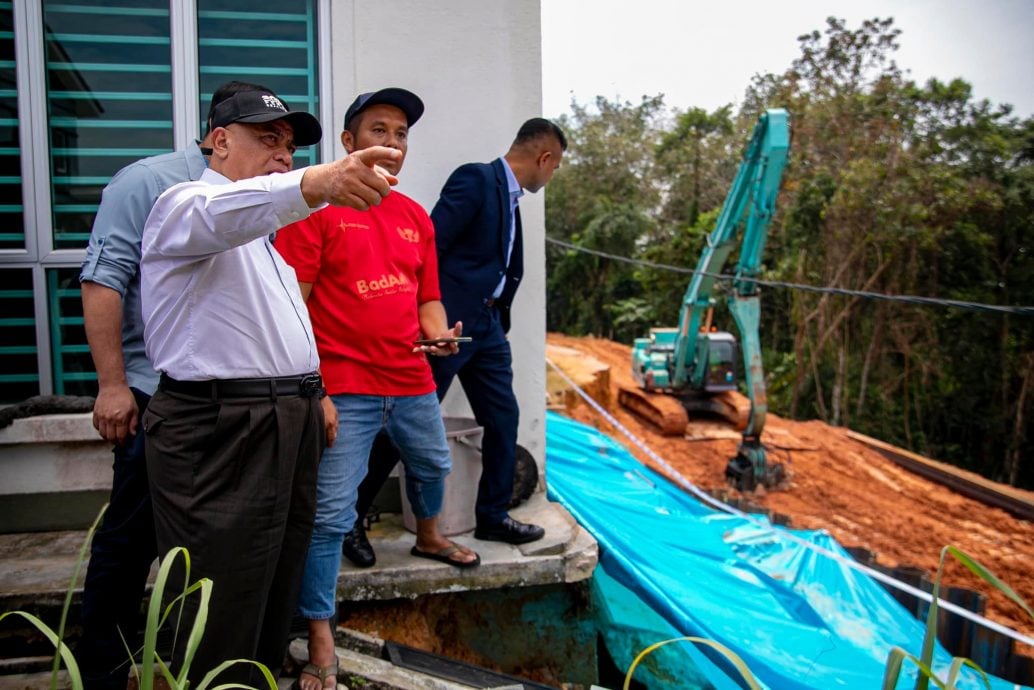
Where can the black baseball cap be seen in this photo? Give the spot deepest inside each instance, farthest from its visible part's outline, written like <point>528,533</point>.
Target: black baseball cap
<point>406,101</point>
<point>264,106</point>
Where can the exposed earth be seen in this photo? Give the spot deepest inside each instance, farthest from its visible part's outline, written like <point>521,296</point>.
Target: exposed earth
<point>835,483</point>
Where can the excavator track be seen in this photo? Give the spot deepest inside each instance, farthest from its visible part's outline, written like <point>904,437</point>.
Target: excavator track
<point>659,409</point>
<point>670,413</point>
<point>731,406</point>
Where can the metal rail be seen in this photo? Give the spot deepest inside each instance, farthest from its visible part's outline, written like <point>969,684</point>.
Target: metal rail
<point>1014,501</point>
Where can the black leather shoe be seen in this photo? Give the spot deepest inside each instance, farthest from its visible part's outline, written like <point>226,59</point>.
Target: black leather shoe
<point>357,547</point>
<point>510,531</point>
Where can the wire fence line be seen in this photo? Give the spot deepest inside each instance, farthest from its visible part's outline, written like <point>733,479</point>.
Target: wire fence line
<point>729,278</point>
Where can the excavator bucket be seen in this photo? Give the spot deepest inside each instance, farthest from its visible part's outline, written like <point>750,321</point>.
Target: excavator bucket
<point>750,467</point>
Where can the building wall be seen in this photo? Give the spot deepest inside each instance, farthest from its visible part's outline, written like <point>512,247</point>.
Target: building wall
<point>94,85</point>
<point>478,68</point>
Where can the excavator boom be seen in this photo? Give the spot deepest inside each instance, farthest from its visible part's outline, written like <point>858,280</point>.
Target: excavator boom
<point>695,364</point>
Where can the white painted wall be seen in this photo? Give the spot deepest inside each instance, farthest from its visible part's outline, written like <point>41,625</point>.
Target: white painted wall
<point>477,65</point>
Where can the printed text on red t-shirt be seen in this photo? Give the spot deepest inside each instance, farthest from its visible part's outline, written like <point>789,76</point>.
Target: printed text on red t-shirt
<point>383,286</point>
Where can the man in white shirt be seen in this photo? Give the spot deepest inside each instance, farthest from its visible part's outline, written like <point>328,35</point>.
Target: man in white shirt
<point>236,429</point>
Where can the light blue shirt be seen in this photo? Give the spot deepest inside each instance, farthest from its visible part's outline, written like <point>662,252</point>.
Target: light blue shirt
<point>113,254</point>
<point>514,187</point>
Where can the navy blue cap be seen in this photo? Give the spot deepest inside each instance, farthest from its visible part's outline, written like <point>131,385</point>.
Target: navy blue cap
<point>406,101</point>
<point>263,106</point>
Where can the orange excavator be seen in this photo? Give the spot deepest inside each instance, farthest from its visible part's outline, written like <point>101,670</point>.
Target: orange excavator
<point>694,367</point>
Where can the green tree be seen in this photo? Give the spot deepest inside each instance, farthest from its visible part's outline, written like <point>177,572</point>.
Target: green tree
<point>900,189</point>
<point>892,187</point>
<point>694,150</point>
<point>600,198</point>
<point>609,157</point>
<point>581,287</point>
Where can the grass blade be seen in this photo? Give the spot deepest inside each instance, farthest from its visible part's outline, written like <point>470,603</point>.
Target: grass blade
<point>892,672</point>
<point>895,661</point>
<point>71,587</point>
<point>987,576</point>
<point>210,676</point>
<point>63,652</point>
<point>956,666</point>
<point>155,620</point>
<point>740,665</point>
<point>200,620</point>
<point>930,636</point>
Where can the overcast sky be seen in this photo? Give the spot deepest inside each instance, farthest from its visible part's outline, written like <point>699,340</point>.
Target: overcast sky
<point>704,54</point>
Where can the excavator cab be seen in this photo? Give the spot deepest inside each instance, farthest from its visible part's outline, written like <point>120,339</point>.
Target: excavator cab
<point>720,355</point>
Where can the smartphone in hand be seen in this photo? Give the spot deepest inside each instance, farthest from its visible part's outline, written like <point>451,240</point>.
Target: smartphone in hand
<point>443,341</point>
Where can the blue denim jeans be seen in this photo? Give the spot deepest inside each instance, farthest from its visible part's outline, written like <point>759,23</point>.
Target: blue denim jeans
<point>414,424</point>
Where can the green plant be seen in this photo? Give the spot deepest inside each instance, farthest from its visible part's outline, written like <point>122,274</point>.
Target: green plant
<point>897,656</point>
<point>63,653</point>
<point>740,665</point>
<point>156,618</point>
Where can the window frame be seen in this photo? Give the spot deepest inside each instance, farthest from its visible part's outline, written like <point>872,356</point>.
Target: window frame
<point>39,253</point>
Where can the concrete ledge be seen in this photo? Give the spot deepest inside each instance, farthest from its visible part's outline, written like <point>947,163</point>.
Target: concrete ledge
<point>566,554</point>
<point>57,473</point>
<point>51,428</point>
<point>363,670</point>
<point>35,568</point>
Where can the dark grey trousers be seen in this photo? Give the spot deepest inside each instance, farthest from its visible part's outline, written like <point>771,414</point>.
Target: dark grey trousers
<point>234,481</point>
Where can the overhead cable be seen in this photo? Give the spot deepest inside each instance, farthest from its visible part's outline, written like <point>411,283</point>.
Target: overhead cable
<point>728,278</point>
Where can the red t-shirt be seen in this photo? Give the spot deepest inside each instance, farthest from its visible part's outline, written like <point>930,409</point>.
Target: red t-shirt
<point>370,271</point>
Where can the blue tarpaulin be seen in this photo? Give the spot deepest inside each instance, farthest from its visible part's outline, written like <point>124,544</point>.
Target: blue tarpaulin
<point>799,619</point>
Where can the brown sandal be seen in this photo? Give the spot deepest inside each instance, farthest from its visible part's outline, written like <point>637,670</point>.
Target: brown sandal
<point>446,556</point>
<point>319,672</point>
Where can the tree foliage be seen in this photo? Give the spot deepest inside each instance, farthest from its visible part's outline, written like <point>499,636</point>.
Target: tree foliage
<point>892,187</point>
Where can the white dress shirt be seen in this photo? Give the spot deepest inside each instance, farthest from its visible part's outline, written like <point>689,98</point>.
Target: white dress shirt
<point>218,301</point>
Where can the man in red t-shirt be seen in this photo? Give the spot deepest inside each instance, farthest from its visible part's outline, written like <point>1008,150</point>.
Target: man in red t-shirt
<point>370,280</point>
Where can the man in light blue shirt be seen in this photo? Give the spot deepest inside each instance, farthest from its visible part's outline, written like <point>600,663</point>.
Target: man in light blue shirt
<point>124,548</point>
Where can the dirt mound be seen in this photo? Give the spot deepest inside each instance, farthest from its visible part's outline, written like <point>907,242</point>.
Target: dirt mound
<point>843,486</point>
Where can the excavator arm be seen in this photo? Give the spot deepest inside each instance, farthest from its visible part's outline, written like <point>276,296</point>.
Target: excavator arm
<point>684,361</point>
<point>743,221</point>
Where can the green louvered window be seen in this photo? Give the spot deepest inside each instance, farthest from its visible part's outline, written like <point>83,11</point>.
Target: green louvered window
<point>109,100</point>
<point>274,48</point>
<point>101,92</point>
<point>73,367</point>
<point>12,222</point>
<point>19,372</point>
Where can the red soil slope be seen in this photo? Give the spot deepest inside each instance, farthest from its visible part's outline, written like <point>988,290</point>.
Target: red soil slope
<point>841,485</point>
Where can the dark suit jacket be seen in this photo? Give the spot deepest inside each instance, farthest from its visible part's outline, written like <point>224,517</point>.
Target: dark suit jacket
<point>472,228</point>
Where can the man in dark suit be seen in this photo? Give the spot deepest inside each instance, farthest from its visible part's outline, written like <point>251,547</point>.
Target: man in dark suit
<point>480,263</point>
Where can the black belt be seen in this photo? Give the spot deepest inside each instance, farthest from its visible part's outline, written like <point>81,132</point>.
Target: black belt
<point>306,386</point>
